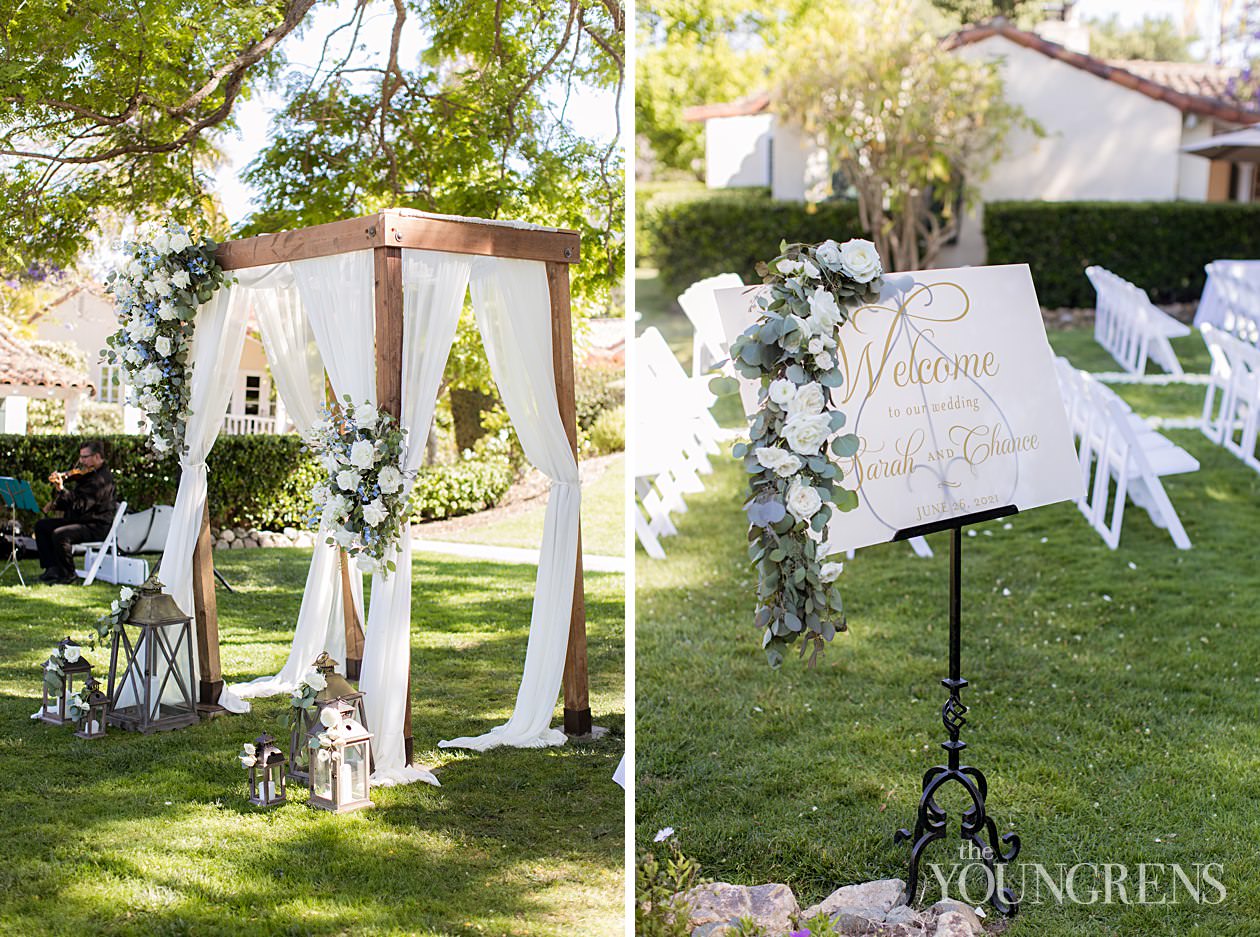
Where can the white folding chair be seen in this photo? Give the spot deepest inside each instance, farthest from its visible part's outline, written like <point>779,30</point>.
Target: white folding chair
<point>97,551</point>
<point>1132,328</point>
<point>1124,452</point>
<point>700,306</point>
<point>1231,401</point>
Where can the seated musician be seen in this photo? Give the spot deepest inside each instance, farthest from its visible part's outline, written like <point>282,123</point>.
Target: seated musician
<point>85,495</point>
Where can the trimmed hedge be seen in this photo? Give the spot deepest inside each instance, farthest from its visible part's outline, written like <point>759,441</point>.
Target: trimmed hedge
<point>697,238</point>
<point>1159,246</point>
<point>254,481</point>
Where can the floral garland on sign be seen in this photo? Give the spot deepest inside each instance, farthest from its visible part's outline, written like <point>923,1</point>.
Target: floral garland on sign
<point>795,487</point>
<point>156,295</point>
<point>362,499</point>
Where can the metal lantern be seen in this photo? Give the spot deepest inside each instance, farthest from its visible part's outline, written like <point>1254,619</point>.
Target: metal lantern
<point>151,676</point>
<point>75,675</point>
<point>340,775</point>
<point>92,725</point>
<point>337,690</point>
<point>267,774</point>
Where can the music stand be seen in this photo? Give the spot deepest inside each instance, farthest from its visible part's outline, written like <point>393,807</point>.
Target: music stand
<point>16,494</point>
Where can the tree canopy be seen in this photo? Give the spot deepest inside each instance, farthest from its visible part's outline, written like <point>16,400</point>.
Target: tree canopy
<point>111,110</point>
<point>1156,38</point>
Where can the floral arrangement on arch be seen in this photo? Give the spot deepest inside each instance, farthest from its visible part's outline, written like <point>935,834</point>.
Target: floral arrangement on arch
<point>795,486</point>
<point>156,292</point>
<point>362,500</point>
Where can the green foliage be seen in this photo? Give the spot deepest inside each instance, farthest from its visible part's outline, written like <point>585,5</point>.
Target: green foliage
<point>255,481</point>
<point>608,433</point>
<point>1159,246</point>
<point>657,879</point>
<point>464,487</point>
<point>858,78</point>
<point>733,232</point>
<point>653,196</point>
<point>1156,38</point>
<point>597,390</point>
<point>1024,12</point>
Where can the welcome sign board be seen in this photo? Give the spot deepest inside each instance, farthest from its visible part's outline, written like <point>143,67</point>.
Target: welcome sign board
<point>950,387</point>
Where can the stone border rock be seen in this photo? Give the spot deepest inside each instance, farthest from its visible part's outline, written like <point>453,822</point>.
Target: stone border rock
<point>869,909</point>
<point>239,538</point>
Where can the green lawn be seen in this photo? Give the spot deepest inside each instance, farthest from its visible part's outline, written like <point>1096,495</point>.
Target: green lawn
<point>1114,697</point>
<point>603,519</point>
<point>152,835</point>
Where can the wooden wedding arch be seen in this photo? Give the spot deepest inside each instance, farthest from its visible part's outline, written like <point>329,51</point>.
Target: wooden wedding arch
<point>386,233</point>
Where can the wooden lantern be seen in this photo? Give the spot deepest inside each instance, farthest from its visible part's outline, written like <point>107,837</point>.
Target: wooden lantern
<point>267,775</point>
<point>340,772</point>
<point>151,677</point>
<point>96,710</point>
<point>75,674</point>
<point>336,692</point>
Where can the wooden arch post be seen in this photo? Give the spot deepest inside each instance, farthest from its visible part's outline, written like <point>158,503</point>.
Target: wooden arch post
<point>386,233</point>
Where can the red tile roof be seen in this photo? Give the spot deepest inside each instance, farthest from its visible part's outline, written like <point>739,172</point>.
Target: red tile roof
<point>22,367</point>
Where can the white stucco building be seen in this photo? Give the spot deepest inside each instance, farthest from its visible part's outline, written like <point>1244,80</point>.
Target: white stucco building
<point>1112,131</point>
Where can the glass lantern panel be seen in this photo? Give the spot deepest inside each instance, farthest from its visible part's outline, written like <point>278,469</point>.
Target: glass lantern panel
<point>321,774</point>
<point>357,763</point>
<point>301,751</point>
<point>253,783</point>
<point>277,779</point>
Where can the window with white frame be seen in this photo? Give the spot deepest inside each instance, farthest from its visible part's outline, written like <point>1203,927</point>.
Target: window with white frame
<point>109,385</point>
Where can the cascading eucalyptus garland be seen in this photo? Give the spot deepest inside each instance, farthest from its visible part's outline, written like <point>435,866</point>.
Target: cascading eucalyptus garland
<point>810,292</point>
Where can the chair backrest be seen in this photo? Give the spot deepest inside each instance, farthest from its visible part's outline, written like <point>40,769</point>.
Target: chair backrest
<point>1123,319</point>
<point>700,306</point>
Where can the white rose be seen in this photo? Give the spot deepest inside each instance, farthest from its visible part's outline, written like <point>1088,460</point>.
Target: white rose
<point>816,346</point>
<point>249,749</point>
<point>390,479</point>
<point>151,375</point>
<point>180,242</point>
<point>367,416</point>
<point>316,680</point>
<point>860,260</point>
<point>830,571</point>
<point>782,391</point>
<point>162,242</point>
<point>809,400</point>
<point>150,404</point>
<point>362,454</point>
<point>824,361</point>
<point>330,462</point>
<point>125,594</point>
<point>72,653</point>
<point>160,443</point>
<point>808,268</point>
<point>329,716</point>
<point>182,279</point>
<point>343,537</point>
<point>348,480</point>
<point>134,270</point>
<point>803,501</point>
<point>828,254</point>
<point>163,346</point>
<point>133,356</point>
<point>335,506</point>
<point>374,513</point>
<point>807,432</point>
<point>825,312</point>
<point>365,563</point>
<point>779,461</point>
<point>167,311</point>
<point>790,268</point>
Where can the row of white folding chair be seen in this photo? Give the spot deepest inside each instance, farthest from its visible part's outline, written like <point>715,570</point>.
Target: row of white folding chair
<point>675,434</point>
<point>1232,397</point>
<point>1240,301</point>
<point>699,304</point>
<point>1117,447</point>
<point>1130,326</point>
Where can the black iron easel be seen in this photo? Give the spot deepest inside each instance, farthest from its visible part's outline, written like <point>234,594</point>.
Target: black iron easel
<point>976,822</point>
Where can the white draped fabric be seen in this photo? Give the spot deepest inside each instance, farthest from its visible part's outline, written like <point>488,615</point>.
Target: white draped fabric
<point>298,370</point>
<point>514,314</point>
<point>434,285</point>
<point>217,341</point>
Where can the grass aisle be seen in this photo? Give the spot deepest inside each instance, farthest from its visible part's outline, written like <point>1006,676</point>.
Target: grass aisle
<point>1114,704</point>
<point>152,835</point>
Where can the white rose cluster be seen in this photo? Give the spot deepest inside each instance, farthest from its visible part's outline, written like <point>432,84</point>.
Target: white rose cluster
<point>359,504</point>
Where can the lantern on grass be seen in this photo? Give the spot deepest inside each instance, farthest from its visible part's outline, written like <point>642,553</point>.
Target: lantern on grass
<point>65,674</point>
<point>151,676</point>
<point>93,709</point>
<point>341,758</point>
<point>338,693</point>
<point>266,764</point>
